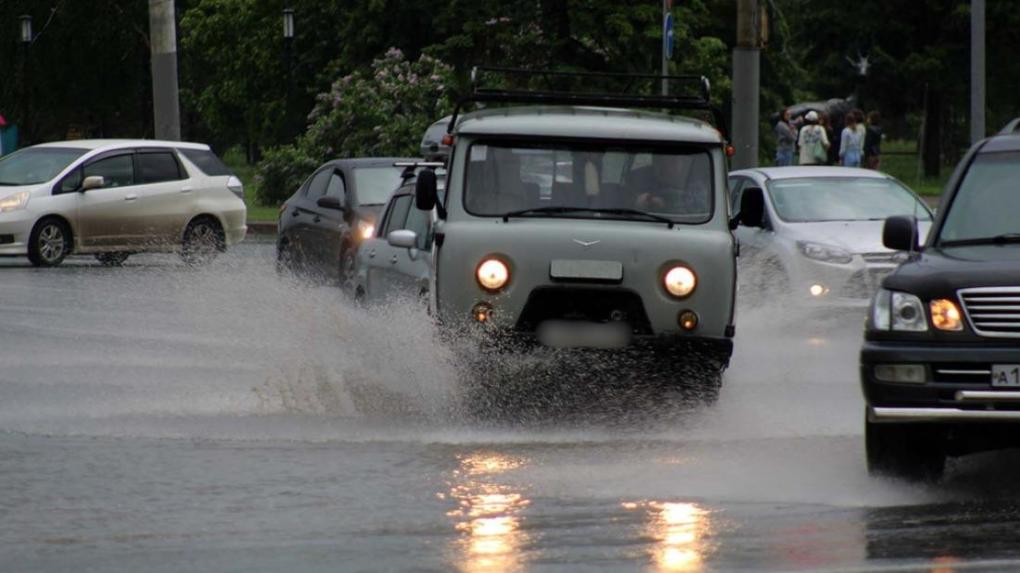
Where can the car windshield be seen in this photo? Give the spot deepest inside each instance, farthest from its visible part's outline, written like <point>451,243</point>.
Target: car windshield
<point>817,199</point>
<point>34,165</point>
<point>987,203</point>
<point>375,184</point>
<point>589,181</point>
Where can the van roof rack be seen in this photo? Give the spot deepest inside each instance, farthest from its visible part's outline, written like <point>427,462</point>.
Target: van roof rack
<point>410,167</point>
<point>698,100</point>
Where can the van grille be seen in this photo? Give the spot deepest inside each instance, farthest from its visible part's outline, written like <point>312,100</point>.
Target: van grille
<point>993,311</point>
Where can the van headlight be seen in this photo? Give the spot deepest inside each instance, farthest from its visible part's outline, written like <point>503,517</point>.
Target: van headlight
<point>14,202</point>
<point>492,274</point>
<point>366,230</point>
<point>679,281</point>
<point>824,253</point>
<point>899,311</point>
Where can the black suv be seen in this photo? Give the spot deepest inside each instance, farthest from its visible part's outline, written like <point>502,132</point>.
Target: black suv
<point>940,365</point>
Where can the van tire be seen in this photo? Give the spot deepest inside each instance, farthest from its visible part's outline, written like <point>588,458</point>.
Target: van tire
<point>203,240</point>
<point>49,242</point>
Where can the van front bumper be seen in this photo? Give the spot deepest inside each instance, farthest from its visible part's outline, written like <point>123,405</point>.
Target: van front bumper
<point>15,228</point>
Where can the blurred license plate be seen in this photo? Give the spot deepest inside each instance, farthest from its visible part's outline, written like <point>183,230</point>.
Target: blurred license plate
<point>576,334</point>
<point>586,270</point>
<point>1005,374</point>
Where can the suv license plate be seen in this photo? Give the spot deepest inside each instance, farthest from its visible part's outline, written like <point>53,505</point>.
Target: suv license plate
<point>1006,375</point>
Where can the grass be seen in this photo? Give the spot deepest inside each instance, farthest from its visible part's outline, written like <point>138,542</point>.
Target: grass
<point>235,159</point>
<point>906,169</point>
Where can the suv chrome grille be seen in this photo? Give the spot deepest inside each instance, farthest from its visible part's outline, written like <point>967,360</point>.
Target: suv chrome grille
<point>993,311</point>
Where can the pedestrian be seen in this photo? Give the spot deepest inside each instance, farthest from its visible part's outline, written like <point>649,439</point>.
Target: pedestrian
<point>873,141</point>
<point>786,139</point>
<point>851,142</point>
<point>813,141</point>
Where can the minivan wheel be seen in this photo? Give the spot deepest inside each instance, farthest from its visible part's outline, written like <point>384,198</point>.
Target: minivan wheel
<point>49,242</point>
<point>203,240</point>
<point>112,259</point>
<point>915,452</point>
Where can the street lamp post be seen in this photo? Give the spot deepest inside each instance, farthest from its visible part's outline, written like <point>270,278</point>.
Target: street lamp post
<point>288,42</point>
<point>25,40</point>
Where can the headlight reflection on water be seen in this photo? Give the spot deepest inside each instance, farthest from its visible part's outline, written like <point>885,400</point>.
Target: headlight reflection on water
<point>488,514</point>
<point>679,530</point>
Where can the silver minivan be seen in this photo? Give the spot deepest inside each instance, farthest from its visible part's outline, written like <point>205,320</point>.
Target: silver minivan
<point>570,226</point>
<point>112,198</point>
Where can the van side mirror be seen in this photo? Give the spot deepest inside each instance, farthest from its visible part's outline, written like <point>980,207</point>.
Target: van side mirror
<point>900,233</point>
<point>329,202</point>
<point>426,193</point>
<point>752,209</point>
<point>402,239</point>
<point>93,182</point>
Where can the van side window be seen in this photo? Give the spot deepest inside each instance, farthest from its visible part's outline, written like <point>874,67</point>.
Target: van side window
<point>70,183</point>
<point>156,167</point>
<point>398,215</point>
<point>317,187</point>
<point>118,171</point>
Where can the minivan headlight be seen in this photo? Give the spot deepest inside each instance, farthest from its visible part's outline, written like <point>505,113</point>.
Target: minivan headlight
<point>492,274</point>
<point>898,311</point>
<point>14,202</point>
<point>679,281</point>
<point>824,253</point>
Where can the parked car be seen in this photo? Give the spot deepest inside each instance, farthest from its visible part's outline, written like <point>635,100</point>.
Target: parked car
<point>820,240</point>
<point>940,365</point>
<point>322,224</point>
<point>396,262</point>
<point>631,254</point>
<point>112,198</point>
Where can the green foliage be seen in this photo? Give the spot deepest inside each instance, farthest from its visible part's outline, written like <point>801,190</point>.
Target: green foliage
<point>381,112</point>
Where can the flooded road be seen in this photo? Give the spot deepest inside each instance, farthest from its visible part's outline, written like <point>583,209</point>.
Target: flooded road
<point>161,418</point>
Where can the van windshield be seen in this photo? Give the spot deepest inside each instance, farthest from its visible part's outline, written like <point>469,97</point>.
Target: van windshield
<point>34,165</point>
<point>588,181</point>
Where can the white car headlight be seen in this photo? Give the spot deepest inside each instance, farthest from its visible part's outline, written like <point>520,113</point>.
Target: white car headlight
<point>14,202</point>
<point>824,253</point>
<point>898,311</point>
<point>492,274</point>
<point>366,230</point>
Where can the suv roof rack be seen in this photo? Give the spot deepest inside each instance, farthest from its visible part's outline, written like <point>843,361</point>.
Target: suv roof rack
<point>699,100</point>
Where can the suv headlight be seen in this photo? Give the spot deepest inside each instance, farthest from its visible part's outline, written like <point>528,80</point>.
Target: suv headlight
<point>14,202</point>
<point>898,311</point>
<point>824,253</point>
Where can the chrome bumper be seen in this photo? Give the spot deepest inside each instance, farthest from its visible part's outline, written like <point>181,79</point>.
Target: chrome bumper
<point>879,414</point>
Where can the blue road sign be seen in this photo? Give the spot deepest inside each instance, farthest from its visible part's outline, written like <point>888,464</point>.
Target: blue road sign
<point>667,34</point>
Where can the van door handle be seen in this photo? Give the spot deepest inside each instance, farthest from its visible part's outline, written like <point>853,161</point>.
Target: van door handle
<point>186,189</point>
<point>393,261</point>
<point>130,197</point>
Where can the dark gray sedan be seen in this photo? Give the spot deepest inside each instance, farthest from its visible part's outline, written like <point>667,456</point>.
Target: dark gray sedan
<point>323,223</point>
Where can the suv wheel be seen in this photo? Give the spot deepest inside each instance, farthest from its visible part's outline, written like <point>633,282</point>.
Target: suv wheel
<point>911,451</point>
<point>112,259</point>
<point>49,242</point>
<point>203,240</point>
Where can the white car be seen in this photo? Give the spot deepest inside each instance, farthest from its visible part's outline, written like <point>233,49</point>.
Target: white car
<point>112,198</point>
<point>820,239</point>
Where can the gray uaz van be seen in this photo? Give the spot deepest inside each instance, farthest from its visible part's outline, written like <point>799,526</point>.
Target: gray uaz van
<point>579,222</point>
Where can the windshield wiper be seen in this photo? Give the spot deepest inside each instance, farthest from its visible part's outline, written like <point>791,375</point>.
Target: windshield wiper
<point>621,211</point>
<point>1003,239</point>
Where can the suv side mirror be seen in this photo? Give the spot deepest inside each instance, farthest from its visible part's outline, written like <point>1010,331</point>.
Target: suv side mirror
<point>93,182</point>
<point>426,193</point>
<point>328,202</point>
<point>403,238</point>
<point>900,233</point>
<point>752,209</point>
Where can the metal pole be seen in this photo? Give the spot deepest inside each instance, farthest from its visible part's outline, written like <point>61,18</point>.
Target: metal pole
<point>746,86</point>
<point>977,70</point>
<point>665,63</point>
<point>165,99</point>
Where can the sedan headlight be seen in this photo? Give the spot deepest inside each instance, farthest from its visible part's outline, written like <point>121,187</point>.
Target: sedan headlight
<point>679,281</point>
<point>492,274</point>
<point>14,202</point>
<point>365,229</point>
<point>824,253</point>
<point>898,311</point>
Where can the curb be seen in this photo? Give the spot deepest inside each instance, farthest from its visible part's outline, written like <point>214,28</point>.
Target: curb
<point>261,227</point>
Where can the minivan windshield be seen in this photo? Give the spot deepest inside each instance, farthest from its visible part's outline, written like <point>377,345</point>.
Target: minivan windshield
<point>375,184</point>
<point>580,180</point>
<point>987,204</point>
<point>34,165</point>
<point>817,199</point>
